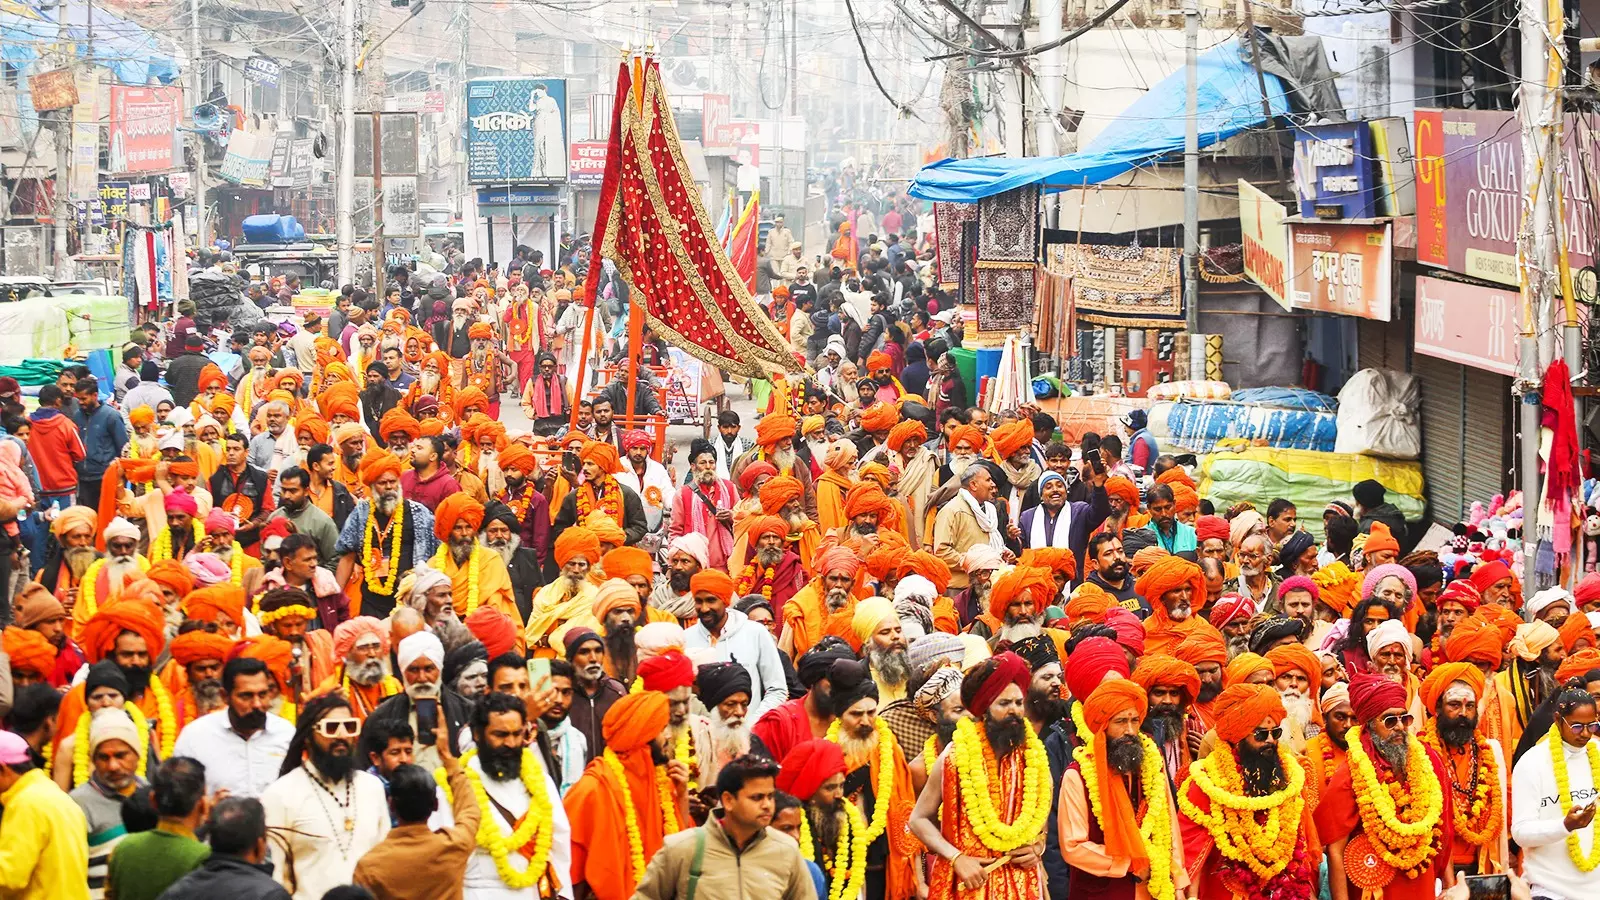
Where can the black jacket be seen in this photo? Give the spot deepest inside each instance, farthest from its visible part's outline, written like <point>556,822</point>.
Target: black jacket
<point>225,875</point>
<point>374,408</point>
<point>457,714</point>
<point>183,376</point>
<point>344,503</point>
<point>526,577</point>
<point>634,523</point>
<point>252,484</point>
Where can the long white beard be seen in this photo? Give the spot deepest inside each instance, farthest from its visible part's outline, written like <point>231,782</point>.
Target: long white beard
<point>783,459</point>
<point>459,320</point>
<point>224,553</point>
<point>959,463</point>
<point>729,741</point>
<point>1019,631</point>
<point>430,382</point>
<point>505,551</point>
<point>118,569</point>
<point>1298,707</point>
<point>368,672</point>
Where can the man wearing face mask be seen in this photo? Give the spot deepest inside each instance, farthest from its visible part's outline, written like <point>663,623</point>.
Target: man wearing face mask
<point>241,745</point>
<point>425,701</point>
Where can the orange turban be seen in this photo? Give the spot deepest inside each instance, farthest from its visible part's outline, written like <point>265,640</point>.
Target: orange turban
<point>1339,587</point>
<point>615,594</point>
<point>277,653</point>
<point>1177,475</point>
<point>440,360</point>
<point>878,360</point>
<point>863,498</point>
<point>1244,665</point>
<point>627,561</point>
<point>469,429</point>
<point>836,559</point>
<point>1116,810</point>
<point>1169,573</point>
<point>879,417</point>
<point>99,634</point>
<point>494,431</point>
<point>1576,626</point>
<point>1575,666</point>
<point>603,455</point>
<point>211,376</point>
<point>469,398</point>
<point>910,429</point>
<point>480,331</point>
<point>634,721</point>
<point>1184,499</point>
<point>173,575</point>
<point>198,646</point>
<point>971,435</point>
<point>398,421</point>
<point>1504,619</point>
<point>1289,657</point>
<point>223,405</point>
<point>764,525</point>
<point>1021,581</point>
<point>1159,669</point>
<point>1444,675</point>
<point>430,427</point>
<point>456,508</point>
<point>779,492</point>
<point>1241,708</point>
<point>774,428</point>
<point>141,416</point>
<point>378,463</point>
<point>576,541</point>
<point>223,599</point>
<point>312,424</point>
<point>1379,538</point>
<point>883,559</point>
<point>1089,602</point>
<point>711,581</point>
<point>605,528</point>
<point>921,562</point>
<point>1012,438</point>
<point>294,375</point>
<point>1124,489</point>
<point>517,458</point>
<point>1202,645</point>
<point>29,651</point>
<point>1474,639</point>
<point>1057,559</point>
<point>340,399</point>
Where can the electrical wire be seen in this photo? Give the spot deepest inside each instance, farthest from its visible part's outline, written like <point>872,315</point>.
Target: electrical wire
<point>866,57</point>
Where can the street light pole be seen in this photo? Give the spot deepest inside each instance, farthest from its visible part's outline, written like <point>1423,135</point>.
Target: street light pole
<point>346,187</point>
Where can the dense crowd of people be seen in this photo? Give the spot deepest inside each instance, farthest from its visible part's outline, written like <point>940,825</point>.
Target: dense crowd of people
<point>284,633</point>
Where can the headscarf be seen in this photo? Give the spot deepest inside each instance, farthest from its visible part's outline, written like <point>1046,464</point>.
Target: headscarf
<point>1241,708</point>
<point>634,721</point>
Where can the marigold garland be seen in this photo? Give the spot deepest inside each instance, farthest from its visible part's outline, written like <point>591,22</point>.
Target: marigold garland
<point>536,826</point>
<point>930,752</point>
<point>442,555</point>
<point>748,578</point>
<point>669,815</point>
<point>974,759</point>
<point>165,717</point>
<point>684,751</point>
<point>82,767</point>
<point>161,544</point>
<point>1586,862</point>
<point>1265,847</point>
<point>1401,820</point>
<point>849,870</point>
<point>608,496</point>
<point>284,612</point>
<point>91,577</point>
<point>385,586</point>
<point>1477,817</point>
<point>885,787</point>
<point>1155,828</point>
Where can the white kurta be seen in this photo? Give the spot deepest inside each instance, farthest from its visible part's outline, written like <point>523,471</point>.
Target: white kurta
<point>482,881</point>
<point>324,852</point>
<point>655,489</point>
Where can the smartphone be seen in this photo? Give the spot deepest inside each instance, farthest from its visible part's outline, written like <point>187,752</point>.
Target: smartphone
<point>427,711</point>
<point>538,670</point>
<point>569,461</point>
<point>1489,887</point>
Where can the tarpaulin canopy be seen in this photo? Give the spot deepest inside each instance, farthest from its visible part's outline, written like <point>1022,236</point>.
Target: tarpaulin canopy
<point>133,53</point>
<point>1151,128</point>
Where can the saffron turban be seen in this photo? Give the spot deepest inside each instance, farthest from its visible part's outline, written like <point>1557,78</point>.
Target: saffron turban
<point>1241,667</point>
<point>876,471</point>
<point>343,434</point>
<point>1373,695</point>
<point>1504,619</point>
<point>1202,645</point>
<point>221,600</point>
<point>605,528</point>
<point>1588,590</point>
<point>1130,630</point>
<point>1018,583</point>
<point>1241,708</point>
<point>397,421</point>
<point>99,634</point>
<point>311,424</point>
<point>378,463</point>
<point>808,766</point>
<point>840,457</point>
<point>494,628</point>
<point>878,360</point>
<point>1209,528</point>
<point>1462,592</point>
<point>1531,640</point>
<point>1380,538</point>
<point>911,430</point>
<point>469,398</point>
<point>1444,675</point>
<point>1231,608</point>
<point>864,498</point>
<point>879,417</point>
<point>1184,498</point>
<point>921,562</point>
<point>1123,489</point>
<point>971,435</point>
<point>1057,559</point>
<point>1166,671</point>
<point>624,562</point>
<point>1574,629</point>
<point>603,455</point>
<point>979,690</point>
<point>779,492</point>
<point>1575,666</point>
<point>179,500</point>
<point>1089,602</point>
<point>576,541</point>
<point>1290,657</point>
<point>351,631</point>
<point>1338,587</point>
<point>340,399</point>
<point>516,458</point>
<point>197,646</point>
<point>1089,664</point>
<point>1012,438</point>
<point>1144,558</point>
<point>668,671</point>
<point>1110,698</point>
<point>172,575</point>
<point>29,651</point>
<point>774,428</point>
<point>1177,475</point>
<point>1167,574</point>
<point>456,508</point>
<point>812,425</point>
<point>211,376</point>
<point>752,472</point>
<point>711,581</point>
<point>837,559</point>
<point>1474,639</point>
<point>141,416</point>
<point>882,560</point>
<point>480,331</point>
<point>634,721</point>
<point>615,594</point>
<point>1486,575</point>
<point>278,655</point>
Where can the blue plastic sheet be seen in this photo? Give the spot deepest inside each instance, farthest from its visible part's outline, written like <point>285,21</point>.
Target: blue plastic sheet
<point>1198,426</point>
<point>1287,398</point>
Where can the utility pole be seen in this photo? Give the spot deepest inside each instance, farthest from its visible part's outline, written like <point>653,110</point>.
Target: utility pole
<point>345,192</point>
<point>197,142</point>
<point>62,212</point>
<point>1191,170</point>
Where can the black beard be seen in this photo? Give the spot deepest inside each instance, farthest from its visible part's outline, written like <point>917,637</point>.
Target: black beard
<point>252,721</point>
<point>946,732</point>
<point>138,679</point>
<point>500,763</point>
<point>678,581</point>
<point>1209,691</point>
<point>620,644</point>
<point>1457,731</point>
<point>294,506</point>
<point>333,766</point>
<point>1124,753</point>
<point>1164,722</point>
<point>1046,708</point>
<point>659,756</point>
<point>1262,769</point>
<point>1116,572</point>
<point>825,825</point>
<point>1005,735</point>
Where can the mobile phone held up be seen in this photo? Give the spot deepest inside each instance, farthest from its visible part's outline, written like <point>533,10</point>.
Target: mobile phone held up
<point>1488,887</point>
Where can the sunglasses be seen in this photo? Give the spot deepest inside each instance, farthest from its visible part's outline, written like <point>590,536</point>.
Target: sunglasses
<point>1263,734</point>
<point>1581,727</point>
<point>330,728</point>
<point>1394,720</point>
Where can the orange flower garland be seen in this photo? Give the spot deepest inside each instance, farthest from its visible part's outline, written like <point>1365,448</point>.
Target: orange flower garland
<point>1478,810</point>
<point>747,581</point>
<point>608,497</point>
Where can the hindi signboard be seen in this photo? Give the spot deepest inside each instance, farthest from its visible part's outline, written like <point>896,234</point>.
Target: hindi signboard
<point>516,131</point>
<point>1342,267</point>
<point>144,128</point>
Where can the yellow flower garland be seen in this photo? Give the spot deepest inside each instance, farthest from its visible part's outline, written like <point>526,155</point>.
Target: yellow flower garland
<point>1155,829</point>
<point>384,587</point>
<point>236,565</point>
<point>442,555</point>
<point>91,578</point>
<point>978,796</point>
<point>684,751</point>
<point>1408,846</point>
<point>536,826</point>
<point>1266,847</point>
<point>930,752</point>
<point>885,786</point>
<point>1586,862</point>
<point>166,719</point>
<point>669,815</point>
<point>283,612</point>
<point>81,764</point>
<point>849,870</point>
<point>161,544</point>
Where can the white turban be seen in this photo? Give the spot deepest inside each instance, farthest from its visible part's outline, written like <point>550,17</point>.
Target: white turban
<point>1332,697</point>
<point>425,579</point>
<point>981,557</point>
<point>121,528</point>
<point>421,644</point>
<point>915,589</point>
<point>694,544</point>
<point>657,638</point>
<point>1390,631</point>
<point>180,416</point>
<point>172,440</point>
<point>1546,598</point>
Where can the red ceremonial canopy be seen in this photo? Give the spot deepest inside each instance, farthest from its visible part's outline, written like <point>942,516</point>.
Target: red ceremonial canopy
<point>652,224</point>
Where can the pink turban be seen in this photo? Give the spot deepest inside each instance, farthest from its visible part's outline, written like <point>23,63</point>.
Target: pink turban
<point>180,501</point>
<point>350,632</point>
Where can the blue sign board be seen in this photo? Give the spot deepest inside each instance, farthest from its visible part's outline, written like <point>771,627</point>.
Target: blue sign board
<point>1335,171</point>
<point>516,131</point>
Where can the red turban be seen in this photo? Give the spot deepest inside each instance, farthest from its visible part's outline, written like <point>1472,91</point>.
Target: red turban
<point>971,435</point>
<point>879,417</point>
<point>627,561</point>
<point>808,766</point>
<point>711,581</point>
<point>1125,489</point>
<point>576,541</point>
<point>1588,590</point>
<point>1446,674</point>
<point>277,653</point>
<point>1160,669</point>
<point>1463,592</point>
<point>1230,607</point>
<point>910,429</point>
<point>780,491</point>
<point>761,526</point>
<point>1009,668</point>
<point>1242,707</point>
<point>1167,574</point>
<point>1202,645</point>
<point>1012,438</point>
<point>635,438</point>
<point>378,463</point>
<point>774,428</point>
<point>1130,631</point>
<point>173,575</point>
<point>634,721</point>
<point>493,627</point>
<point>1372,695</point>
<point>456,508</point>
<point>1484,576</point>
<point>1057,559</point>
<point>29,651</point>
<point>398,421</point>
<point>145,619</point>
<point>756,469</point>
<point>603,455</point>
<point>1091,662</point>
<point>198,646</point>
<point>669,670</point>
<point>1210,528</point>
<point>221,600</point>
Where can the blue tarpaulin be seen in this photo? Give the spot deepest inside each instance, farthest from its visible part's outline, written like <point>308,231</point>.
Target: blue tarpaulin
<point>132,52</point>
<point>1151,128</point>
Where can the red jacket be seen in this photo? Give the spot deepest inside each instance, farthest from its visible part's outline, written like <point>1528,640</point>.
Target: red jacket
<point>56,449</point>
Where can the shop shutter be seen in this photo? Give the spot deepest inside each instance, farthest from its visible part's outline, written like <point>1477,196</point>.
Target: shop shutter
<point>1443,413</point>
<point>1488,431</point>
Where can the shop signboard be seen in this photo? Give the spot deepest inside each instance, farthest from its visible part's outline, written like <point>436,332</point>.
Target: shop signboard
<point>144,128</point>
<point>1266,245</point>
<point>516,131</point>
<point>114,196</point>
<point>1342,267</point>
<point>1469,324</point>
<point>1335,171</point>
<point>588,166</point>
<point>262,70</point>
<point>55,89</point>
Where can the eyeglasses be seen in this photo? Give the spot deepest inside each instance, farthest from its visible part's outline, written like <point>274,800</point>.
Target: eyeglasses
<point>330,728</point>
<point>1581,727</point>
<point>1265,734</point>
<point>1395,720</point>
